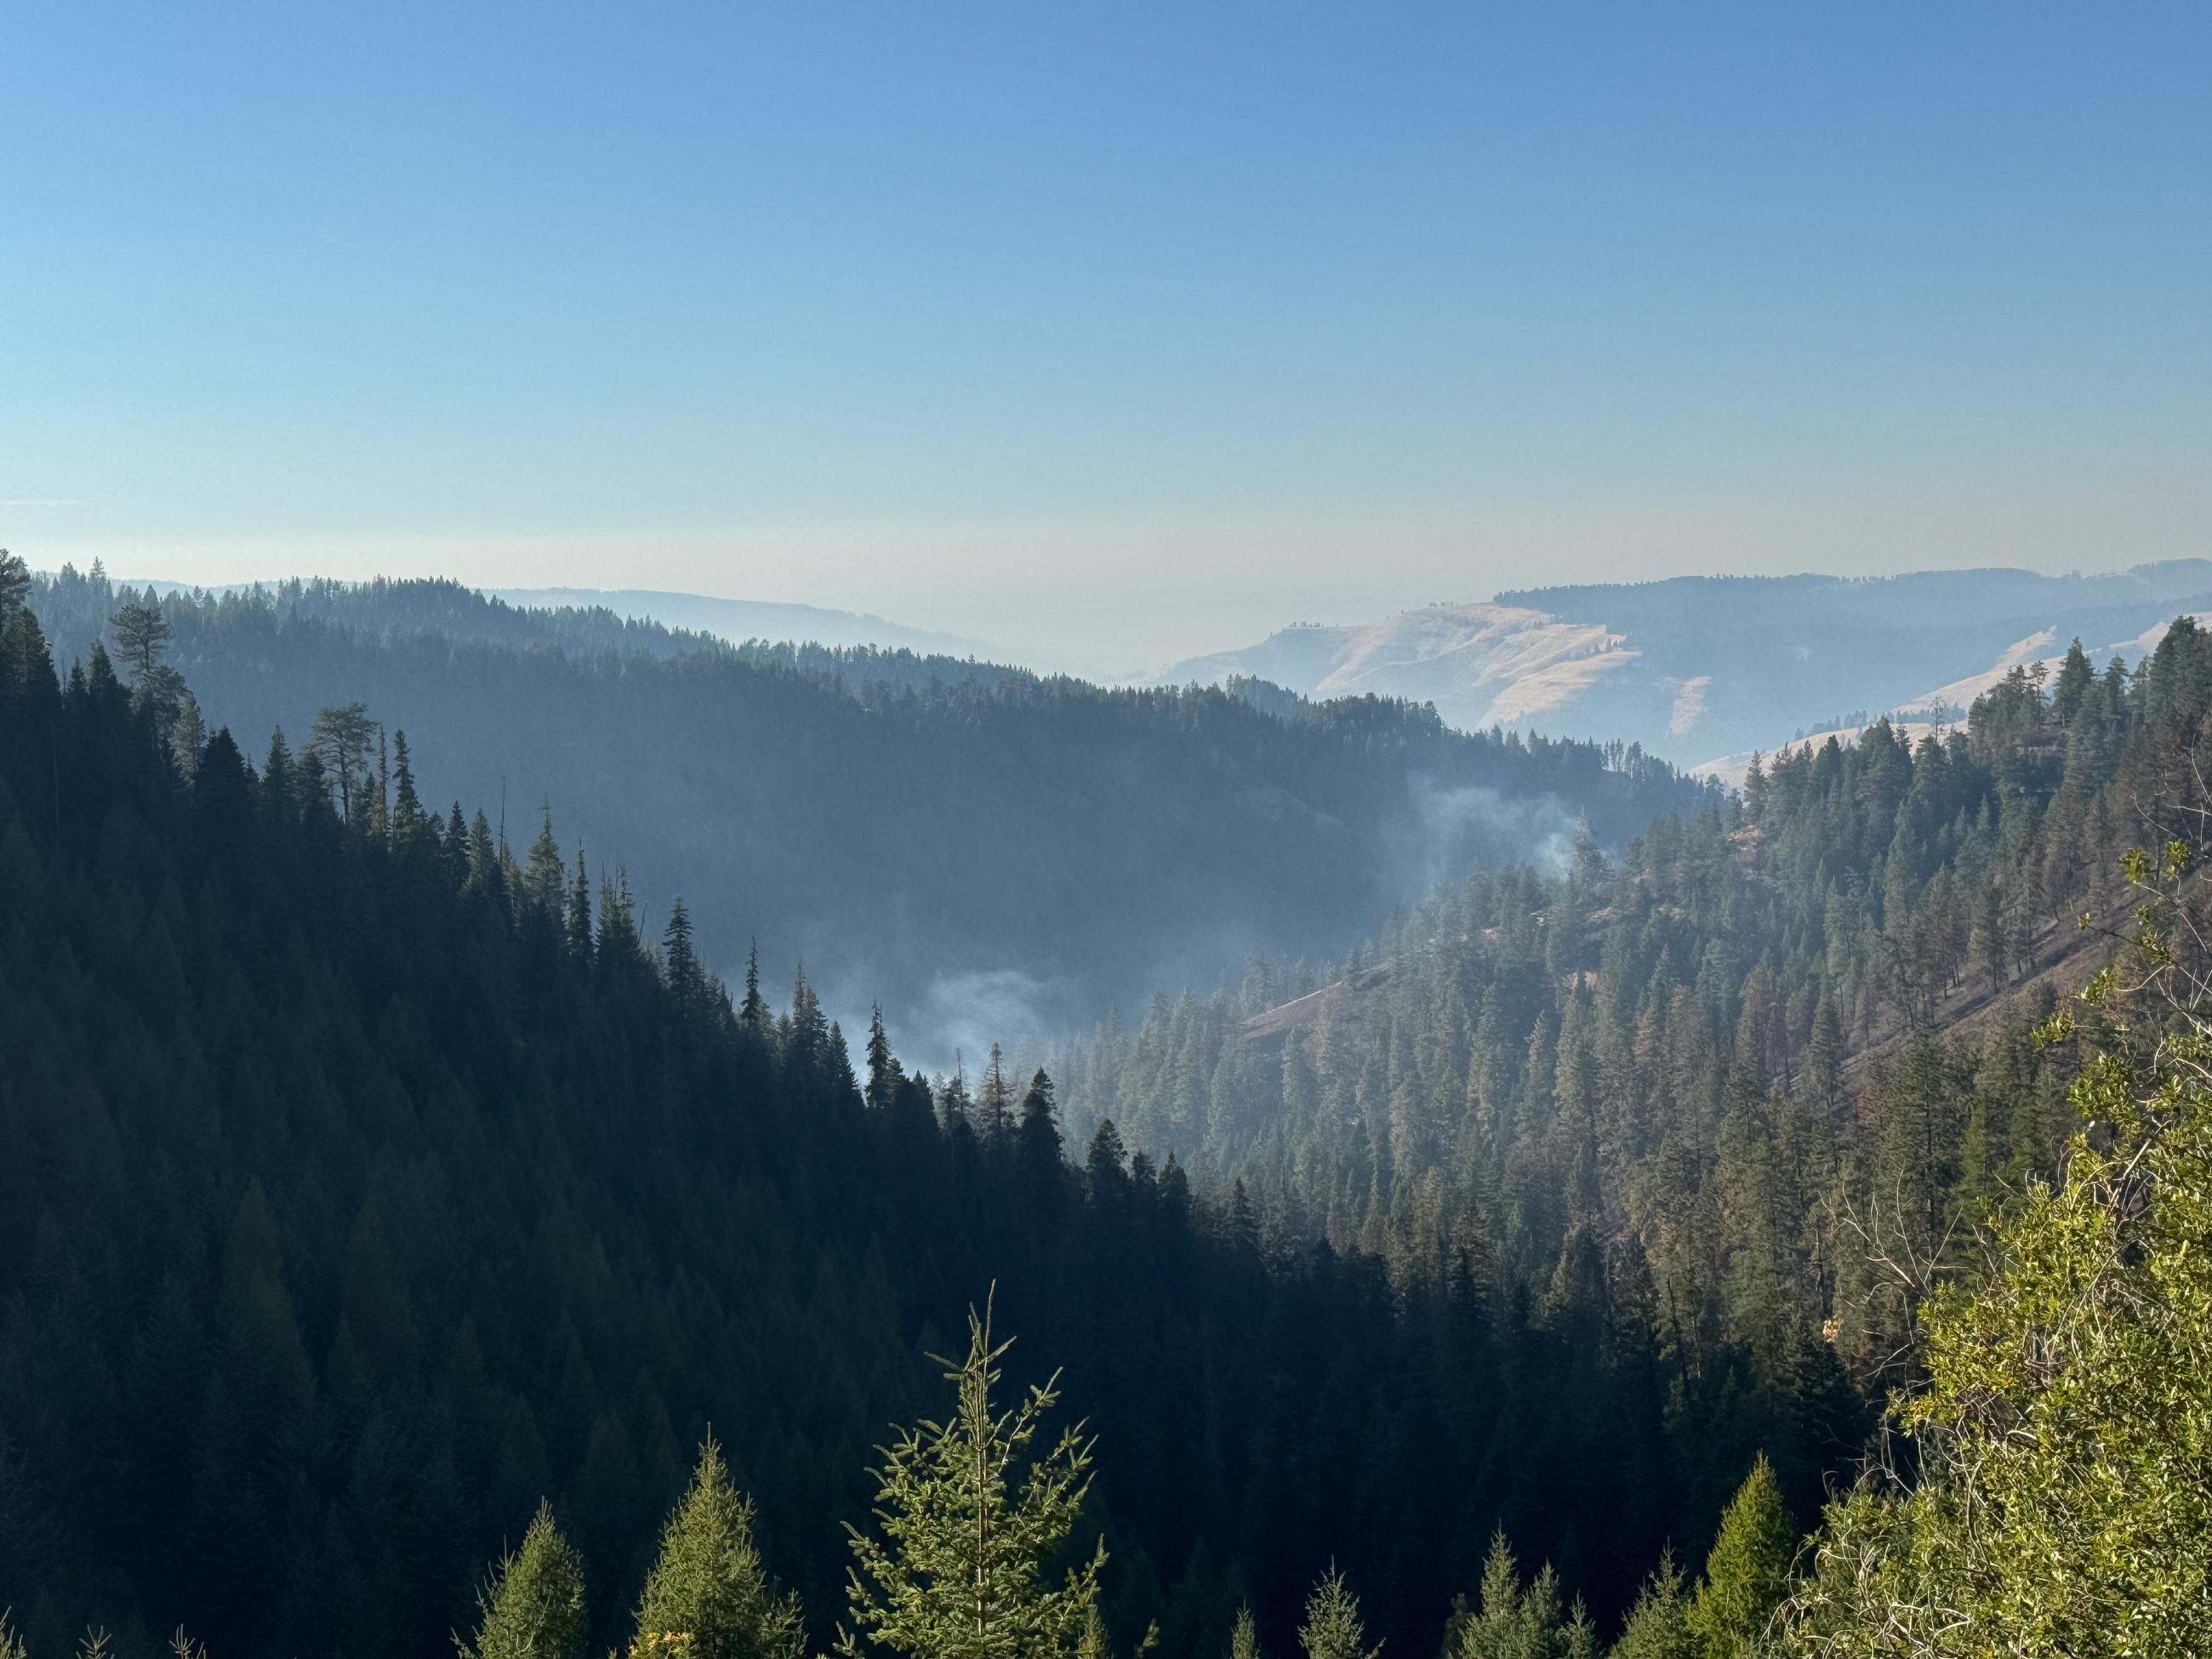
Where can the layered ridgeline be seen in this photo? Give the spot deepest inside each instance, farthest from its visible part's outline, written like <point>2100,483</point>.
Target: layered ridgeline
<point>1707,668</point>
<point>985,852</point>
<point>362,1183</point>
<point>1769,1066</point>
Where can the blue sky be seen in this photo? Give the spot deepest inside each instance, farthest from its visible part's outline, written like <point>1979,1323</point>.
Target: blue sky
<point>1136,329</point>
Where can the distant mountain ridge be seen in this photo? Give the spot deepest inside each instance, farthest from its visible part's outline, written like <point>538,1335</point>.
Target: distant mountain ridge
<point>740,620</point>
<point>1697,668</point>
<point>965,841</point>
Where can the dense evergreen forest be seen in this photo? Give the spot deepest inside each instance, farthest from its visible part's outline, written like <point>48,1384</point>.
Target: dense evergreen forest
<point>364,1180</point>
<point>978,850</point>
<point>366,1184</point>
<point>1766,1036</point>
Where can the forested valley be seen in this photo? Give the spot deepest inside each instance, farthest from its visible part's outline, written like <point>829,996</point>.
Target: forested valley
<point>368,1181</point>
<point>985,852</point>
<point>1767,1045</point>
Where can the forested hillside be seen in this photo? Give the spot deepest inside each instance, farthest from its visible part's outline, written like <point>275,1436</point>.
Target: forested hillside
<point>366,1189</point>
<point>983,852</point>
<point>1775,1055</point>
<point>362,1183</point>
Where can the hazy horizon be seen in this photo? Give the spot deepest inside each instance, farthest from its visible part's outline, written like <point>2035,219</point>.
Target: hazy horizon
<point>1096,338</point>
<point>1106,644</point>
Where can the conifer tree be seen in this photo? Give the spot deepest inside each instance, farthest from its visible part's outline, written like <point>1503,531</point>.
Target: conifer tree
<point>1105,1171</point>
<point>377,818</point>
<point>1513,1622</point>
<point>969,1524</point>
<point>753,1014</point>
<point>1095,1644</point>
<point>276,772</point>
<point>709,1595</point>
<point>1658,1625</point>
<point>1244,1636</point>
<point>339,738</point>
<point>486,869</point>
<point>544,876</point>
<point>885,1072</point>
<point>407,817</point>
<point>679,962</point>
<point>810,1038</point>
<point>994,1101</point>
<point>579,921</point>
<point>1240,1223</point>
<point>26,665</point>
<point>142,634</point>
<point>11,1645</point>
<point>2076,679</point>
<point>1748,1573</point>
<point>1332,1628</point>
<point>457,845</point>
<point>187,734</point>
<point>1040,1125</point>
<point>1039,1151</point>
<point>533,1607</point>
<point>955,1110</point>
<point>618,939</point>
<point>15,585</point>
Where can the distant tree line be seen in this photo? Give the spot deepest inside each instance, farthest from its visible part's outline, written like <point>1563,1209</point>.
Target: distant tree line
<point>905,825</point>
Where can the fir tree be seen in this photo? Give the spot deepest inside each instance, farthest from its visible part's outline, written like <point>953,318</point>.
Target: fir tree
<point>1095,1644</point>
<point>2076,680</point>
<point>408,823</point>
<point>486,869</point>
<point>15,583</point>
<point>960,1570</point>
<point>753,1014</point>
<point>1658,1625</point>
<point>545,877</point>
<point>377,818</point>
<point>1240,1222</point>
<point>578,920</point>
<point>619,943</point>
<point>26,665</point>
<point>533,1607</point>
<point>1748,1573</point>
<point>1332,1628</point>
<point>709,1595</point>
<point>1106,1168</point>
<point>277,775</point>
<point>1040,1125</point>
<point>1513,1622</point>
<point>994,1101</point>
<point>1039,1151</point>
<point>679,962</point>
<point>885,1073</point>
<point>187,735</point>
